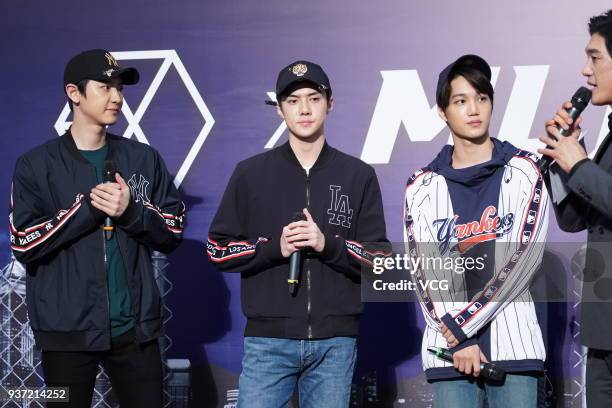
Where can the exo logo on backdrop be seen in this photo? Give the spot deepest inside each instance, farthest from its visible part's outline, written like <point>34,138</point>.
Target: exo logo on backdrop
<point>170,58</point>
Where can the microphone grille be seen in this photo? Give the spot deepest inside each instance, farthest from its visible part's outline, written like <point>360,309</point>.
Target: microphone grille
<point>109,166</point>
<point>582,97</point>
<point>108,170</point>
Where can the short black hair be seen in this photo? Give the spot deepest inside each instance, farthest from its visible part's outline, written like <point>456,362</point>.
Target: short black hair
<point>476,78</point>
<point>81,86</point>
<point>602,25</point>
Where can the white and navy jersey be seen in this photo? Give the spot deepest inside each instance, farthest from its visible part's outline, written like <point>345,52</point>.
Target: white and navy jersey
<point>445,217</point>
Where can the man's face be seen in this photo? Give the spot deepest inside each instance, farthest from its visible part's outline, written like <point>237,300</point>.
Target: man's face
<point>598,70</point>
<point>101,103</point>
<point>304,112</point>
<point>469,112</point>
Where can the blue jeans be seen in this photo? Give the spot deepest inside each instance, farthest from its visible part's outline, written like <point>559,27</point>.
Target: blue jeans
<point>517,391</point>
<point>322,370</point>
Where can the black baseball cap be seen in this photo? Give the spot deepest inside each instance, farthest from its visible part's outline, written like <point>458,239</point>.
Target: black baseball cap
<point>469,60</point>
<point>302,71</point>
<point>98,65</point>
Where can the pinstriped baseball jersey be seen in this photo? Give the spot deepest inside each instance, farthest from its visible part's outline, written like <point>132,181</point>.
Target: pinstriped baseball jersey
<point>500,315</point>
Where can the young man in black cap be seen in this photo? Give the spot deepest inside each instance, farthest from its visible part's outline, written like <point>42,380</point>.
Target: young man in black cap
<point>303,329</point>
<point>86,238</point>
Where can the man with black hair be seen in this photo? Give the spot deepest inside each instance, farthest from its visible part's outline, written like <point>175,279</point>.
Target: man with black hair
<point>589,206</point>
<point>307,336</point>
<point>481,200</point>
<point>86,239</point>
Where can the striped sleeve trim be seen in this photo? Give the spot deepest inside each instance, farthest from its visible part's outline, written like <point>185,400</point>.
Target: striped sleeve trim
<point>174,222</point>
<point>234,249</point>
<point>357,251</point>
<point>33,236</point>
<point>419,274</point>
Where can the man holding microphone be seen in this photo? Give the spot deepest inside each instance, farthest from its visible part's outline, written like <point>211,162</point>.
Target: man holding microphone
<point>588,205</point>
<point>301,327</point>
<point>86,233</point>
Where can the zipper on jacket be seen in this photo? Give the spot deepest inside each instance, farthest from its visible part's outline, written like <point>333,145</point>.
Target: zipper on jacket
<point>106,278</point>
<point>308,285</point>
<point>105,270</point>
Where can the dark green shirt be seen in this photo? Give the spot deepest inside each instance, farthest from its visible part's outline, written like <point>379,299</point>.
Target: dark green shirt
<point>120,304</point>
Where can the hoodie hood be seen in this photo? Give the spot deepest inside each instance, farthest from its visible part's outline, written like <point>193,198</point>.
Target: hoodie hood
<point>502,153</point>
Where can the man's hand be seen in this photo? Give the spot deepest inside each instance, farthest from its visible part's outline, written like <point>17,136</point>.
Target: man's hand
<point>287,248</point>
<point>302,234</point>
<point>111,198</point>
<point>567,151</point>
<point>468,360</point>
<point>451,340</point>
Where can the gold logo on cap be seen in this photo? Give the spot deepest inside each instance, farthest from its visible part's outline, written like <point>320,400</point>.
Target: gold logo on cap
<point>299,69</point>
<point>111,60</point>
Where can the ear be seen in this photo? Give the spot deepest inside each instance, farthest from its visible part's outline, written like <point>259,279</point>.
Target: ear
<point>279,111</point>
<point>442,114</point>
<point>73,93</point>
<point>330,104</point>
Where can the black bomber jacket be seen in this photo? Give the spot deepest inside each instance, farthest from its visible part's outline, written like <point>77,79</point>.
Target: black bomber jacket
<point>57,233</point>
<point>262,196</point>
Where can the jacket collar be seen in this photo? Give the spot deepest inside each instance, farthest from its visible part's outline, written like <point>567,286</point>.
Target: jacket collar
<point>326,154</point>
<point>603,147</point>
<point>70,145</point>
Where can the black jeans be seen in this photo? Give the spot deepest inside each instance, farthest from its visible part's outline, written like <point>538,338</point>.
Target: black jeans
<point>135,372</point>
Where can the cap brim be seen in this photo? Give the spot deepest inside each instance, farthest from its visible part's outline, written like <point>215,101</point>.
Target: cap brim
<point>299,83</point>
<point>129,76</point>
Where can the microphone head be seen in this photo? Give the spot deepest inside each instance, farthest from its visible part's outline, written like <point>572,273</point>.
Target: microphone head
<point>298,216</point>
<point>581,98</point>
<point>493,372</point>
<point>108,171</point>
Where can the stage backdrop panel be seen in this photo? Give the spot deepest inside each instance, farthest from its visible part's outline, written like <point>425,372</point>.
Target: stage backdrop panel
<point>206,70</point>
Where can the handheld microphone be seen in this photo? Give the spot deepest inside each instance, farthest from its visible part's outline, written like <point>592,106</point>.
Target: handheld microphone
<point>295,261</point>
<point>108,176</point>
<point>580,100</point>
<point>487,370</point>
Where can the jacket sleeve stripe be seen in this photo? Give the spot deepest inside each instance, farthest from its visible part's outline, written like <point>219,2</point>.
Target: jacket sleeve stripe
<point>234,249</point>
<point>357,251</point>
<point>415,177</point>
<point>33,236</point>
<point>32,228</point>
<point>174,223</point>
<point>419,275</point>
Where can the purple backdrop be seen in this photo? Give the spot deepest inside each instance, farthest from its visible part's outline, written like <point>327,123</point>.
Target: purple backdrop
<point>222,58</point>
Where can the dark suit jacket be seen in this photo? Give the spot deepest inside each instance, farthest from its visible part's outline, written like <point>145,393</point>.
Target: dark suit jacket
<point>589,206</point>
